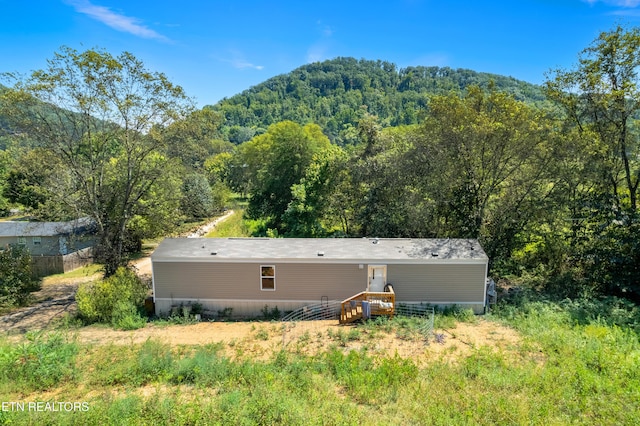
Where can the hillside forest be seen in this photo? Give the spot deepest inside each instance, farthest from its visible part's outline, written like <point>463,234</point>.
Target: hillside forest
<point>546,177</point>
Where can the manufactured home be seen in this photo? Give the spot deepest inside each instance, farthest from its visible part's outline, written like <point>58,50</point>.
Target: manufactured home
<point>55,247</point>
<point>247,274</point>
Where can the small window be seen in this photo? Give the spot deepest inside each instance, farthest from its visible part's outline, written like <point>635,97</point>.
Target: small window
<point>37,241</point>
<point>268,278</point>
<point>22,241</point>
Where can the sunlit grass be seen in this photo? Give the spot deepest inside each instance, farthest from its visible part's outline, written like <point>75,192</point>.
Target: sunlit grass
<point>561,372</point>
<point>233,226</point>
<point>91,271</point>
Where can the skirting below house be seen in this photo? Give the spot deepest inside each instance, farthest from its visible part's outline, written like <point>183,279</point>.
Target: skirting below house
<point>242,308</point>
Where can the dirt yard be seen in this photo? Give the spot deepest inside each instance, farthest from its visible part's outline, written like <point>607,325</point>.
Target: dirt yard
<point>260,340</point>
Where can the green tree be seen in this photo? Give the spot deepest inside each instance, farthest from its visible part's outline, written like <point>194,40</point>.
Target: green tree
<point>5,164</point>
<point>601,95</point>
<point>197,198</point>
<point>33,180</point>
<point>489,167</point>
<point>281,156</point>
<point>16,279</point>
<point>601,100</point>
<point>104,108</point>
<point>195,138</point>
<point>312,212</point>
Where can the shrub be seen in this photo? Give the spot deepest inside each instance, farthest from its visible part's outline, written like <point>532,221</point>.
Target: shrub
<point>126,316</point>
<point>116,300</point>
<point>16,280</point>
<point>271,314</point>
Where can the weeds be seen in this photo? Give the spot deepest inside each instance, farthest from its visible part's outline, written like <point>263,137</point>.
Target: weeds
<point>271,314</point>
<point>563,371</point>
<point>42,362</point>
<point>343,337</point>
<point>225,314</point>
<point>262,334</point>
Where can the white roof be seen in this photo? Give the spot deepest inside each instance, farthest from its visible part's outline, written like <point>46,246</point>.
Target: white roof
<point>320,250</point>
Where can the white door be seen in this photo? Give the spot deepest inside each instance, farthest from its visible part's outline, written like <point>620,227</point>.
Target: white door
<point>377,277</point>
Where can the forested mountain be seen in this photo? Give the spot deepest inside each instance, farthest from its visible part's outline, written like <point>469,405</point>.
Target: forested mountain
<point>336,93</point>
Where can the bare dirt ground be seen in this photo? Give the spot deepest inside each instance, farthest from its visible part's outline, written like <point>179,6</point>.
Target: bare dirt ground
<point>57,295</point>
<point>260,340</point>
<point>54,300</point>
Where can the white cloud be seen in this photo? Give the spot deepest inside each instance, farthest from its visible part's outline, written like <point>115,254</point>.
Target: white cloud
<point>317,53</point>
<point>433,59</point>
<point>618,3</point>
<point>114,20</point>
<point>238,61</point>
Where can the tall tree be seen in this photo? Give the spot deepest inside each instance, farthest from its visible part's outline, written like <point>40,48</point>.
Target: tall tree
<point>94,112</point>
<point>482,146</point>
<point>601,95</point>
<point>195,138</point>
<point>601,98</point>
<point>281,156</point>
<point>312,211</point>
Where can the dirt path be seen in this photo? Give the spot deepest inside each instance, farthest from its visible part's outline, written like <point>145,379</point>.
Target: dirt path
<point>57,298</point>
<point>53,301</point>
<point>205,229</point>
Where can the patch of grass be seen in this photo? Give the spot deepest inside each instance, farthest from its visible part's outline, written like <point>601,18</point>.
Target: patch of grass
<point>42,362</point>
<point>133,365</point>
<point>233,226</point>
<point>562,371</point>
<point>92,271</point>
<point>262,334</point>
<point>343,336</point>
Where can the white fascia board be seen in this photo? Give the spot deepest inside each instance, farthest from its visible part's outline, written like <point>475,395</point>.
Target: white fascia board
<point>212,259</point>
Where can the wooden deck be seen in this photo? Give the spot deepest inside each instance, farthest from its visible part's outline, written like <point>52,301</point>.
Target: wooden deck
<point>367,304</point>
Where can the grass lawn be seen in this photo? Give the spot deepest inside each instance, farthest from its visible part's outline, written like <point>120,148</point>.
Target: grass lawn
<point>560,371</point>
<point>233,226</point>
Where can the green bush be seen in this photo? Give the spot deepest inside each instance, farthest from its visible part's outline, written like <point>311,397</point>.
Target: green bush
<point>116,300</point>
<point>126,316</point>
<point>16,280</point>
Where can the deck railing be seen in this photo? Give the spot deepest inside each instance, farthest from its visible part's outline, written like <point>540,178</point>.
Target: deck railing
<point>367,304</point>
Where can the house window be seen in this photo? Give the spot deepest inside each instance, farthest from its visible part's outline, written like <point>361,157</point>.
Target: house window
<point>22,241</point>
<point>37,241</point>
<point>268,278</point>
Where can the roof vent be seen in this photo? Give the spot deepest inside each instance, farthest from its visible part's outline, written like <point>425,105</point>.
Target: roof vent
<point>213,253</point>
<point>375,240</point>
<point>434,254</point>
<point>320,253</point>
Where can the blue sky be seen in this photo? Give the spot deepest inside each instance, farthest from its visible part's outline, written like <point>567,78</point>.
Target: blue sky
<point>215,49</point>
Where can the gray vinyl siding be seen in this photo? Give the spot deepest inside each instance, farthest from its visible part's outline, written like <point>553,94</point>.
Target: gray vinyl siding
<point>50,245</point>
<point>210,280</point>
<point>453,283</point>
